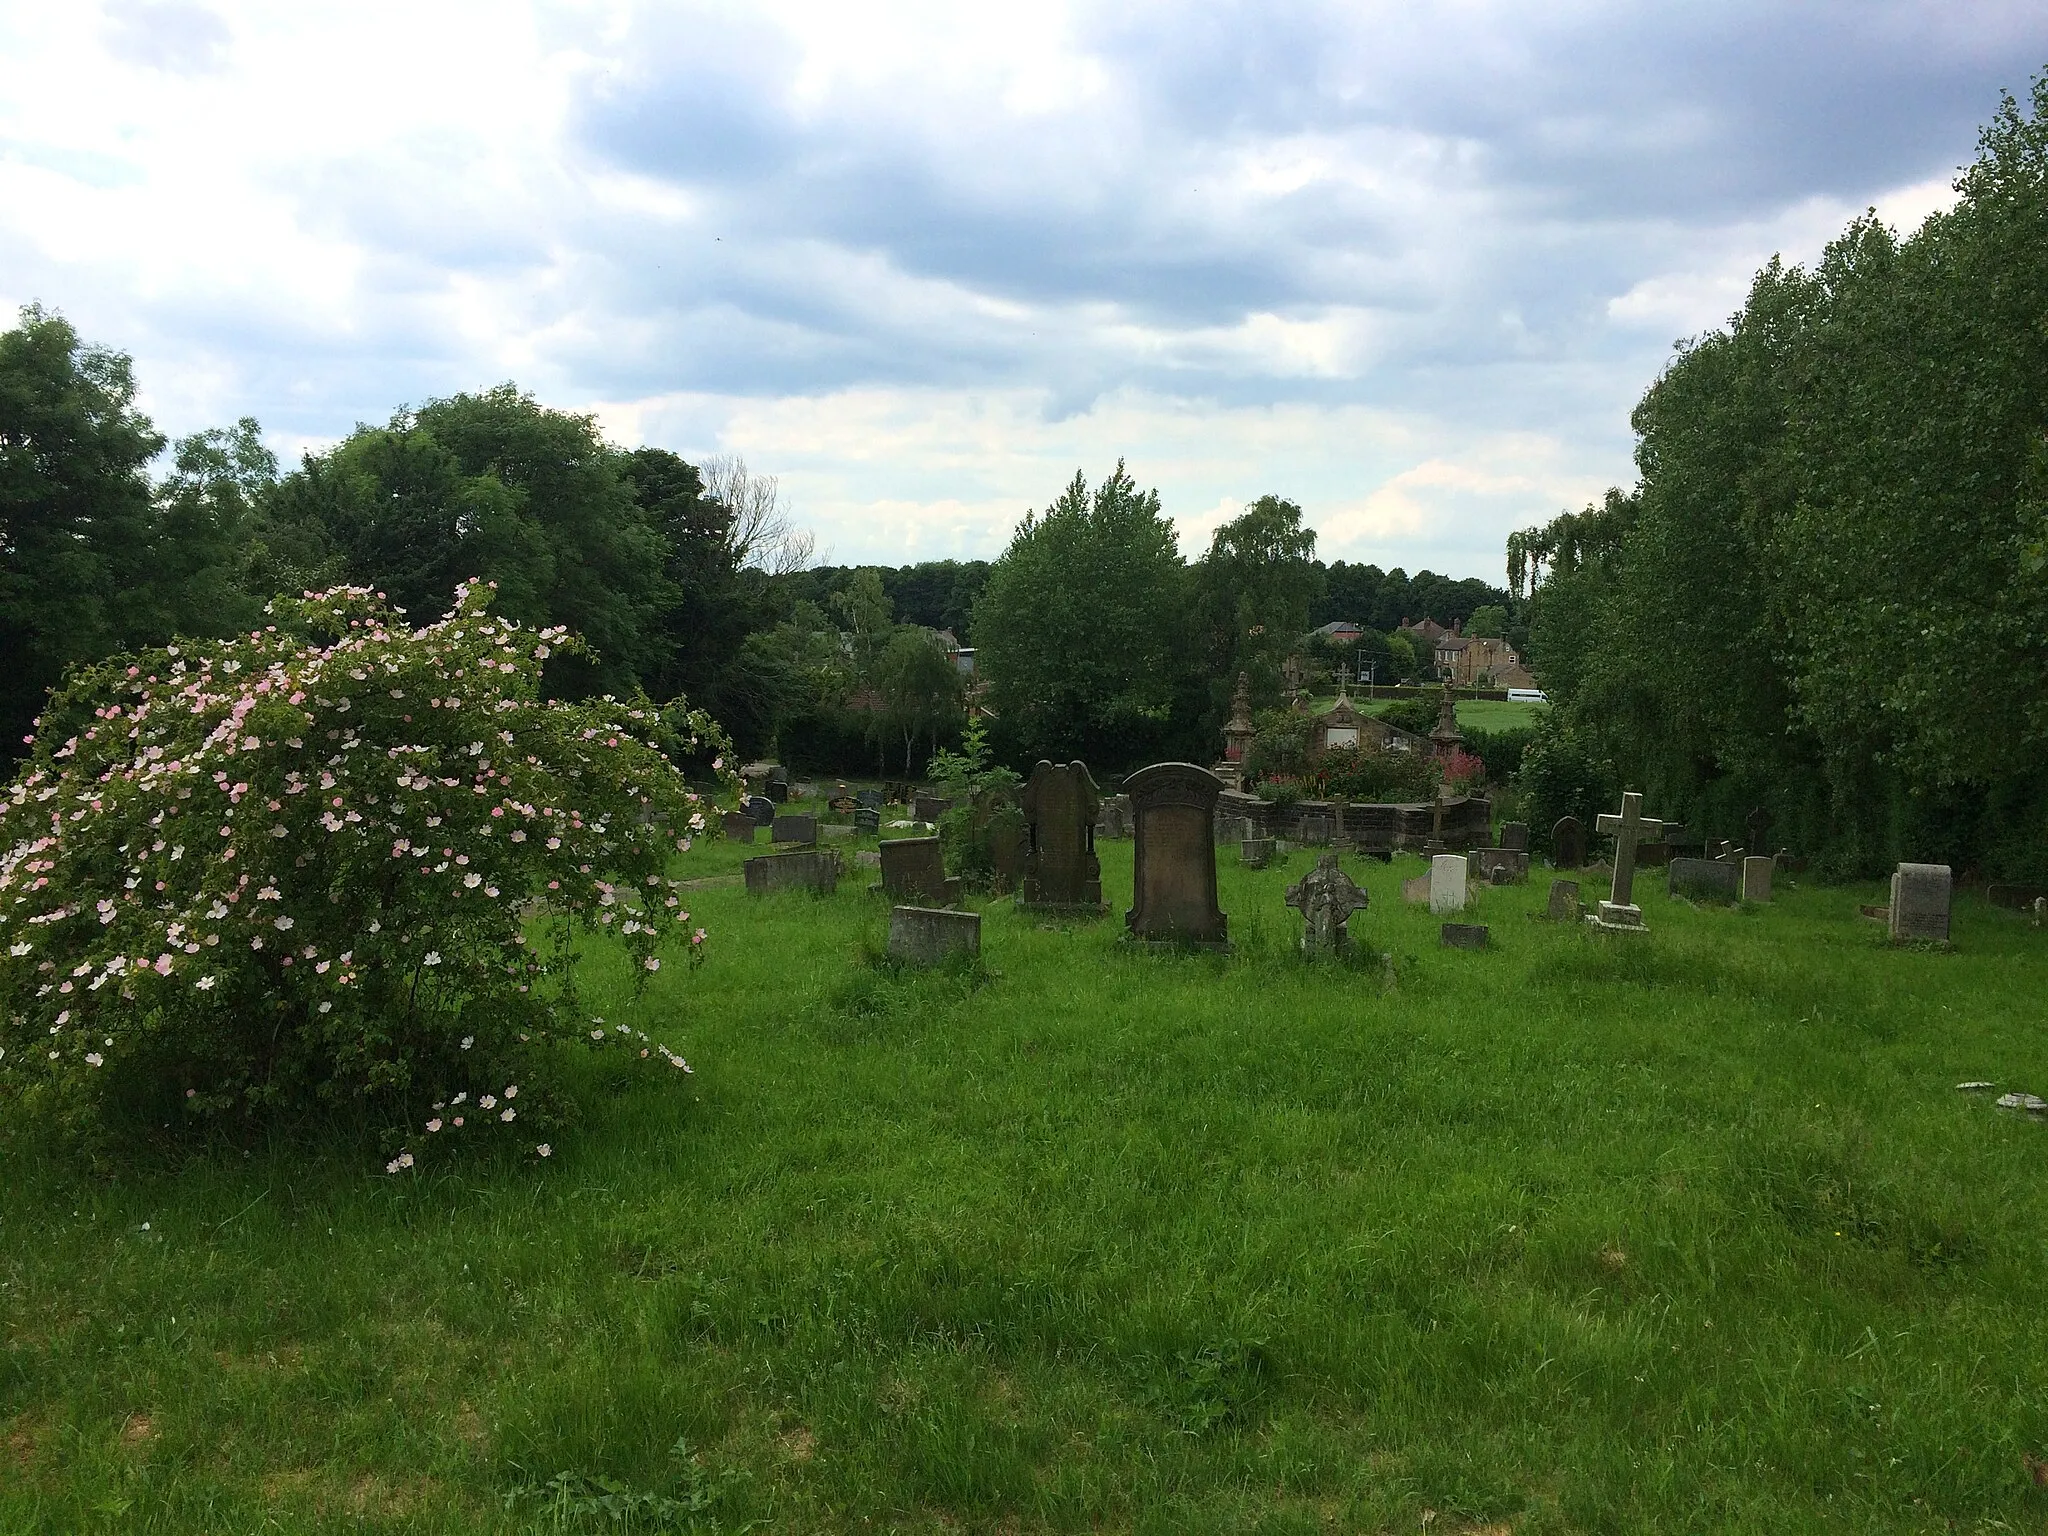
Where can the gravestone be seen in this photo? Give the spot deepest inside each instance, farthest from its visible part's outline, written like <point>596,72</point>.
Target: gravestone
<point>1114,820</point>
<point>762,809</point>
<point>867,821</point>
<point>1921,894</point>
<point>1619,913</point>
<point>1447,883</point>
<point>2014,897</point>
<point>1255,852</point>
<point>1705,879</point>
<point>1061,871</point>
<point>1756,878</point>
<point>929,807</point>
<point>914,869</point>
<point>927,936</point>
<point>868,799</point>
<point>1316,831</point>
<point>1500,866</point>
<point>843,805</point>
<point>813,871</point>
<point>1464,936</point>
<point>794,829</point>
<point>1173,877</point>
<point>777,791</point>
<point>1416,890</point>
<point>1756,830</point>
<point>1514,836</point>
<point>1567,843</point>
<point>836,832</point>
<point>739,826</point>
<point>1326,897</point>
<point>867,858</point>
<point>1006,839</point>
<point>1564,901</point>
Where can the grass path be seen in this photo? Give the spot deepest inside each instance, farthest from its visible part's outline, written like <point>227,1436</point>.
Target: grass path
<point>1690,1232</point>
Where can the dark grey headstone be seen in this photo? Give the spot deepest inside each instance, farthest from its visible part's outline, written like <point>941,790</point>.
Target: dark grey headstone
<point>1174,865</point>
<point>1568,843</point>
<point>1464,936</point>
<point>867,821</point>
<point>762,809</point>
<point>778,790</point>
<point>927,936</point>
<point>914,870</point>
<point>1706,879</point>
<point>929,807</point>
<point>1564,901</point>
<point>1500,866</point>
<point>1757,829</point>
<point>1921,895</point>
<point>1061,870</point>
<point>794,829</point>
<point>868,799</point>
<point>1255,852</point>
<point>814,871</point>
<point>739,827</point>
<point>1514,836</point>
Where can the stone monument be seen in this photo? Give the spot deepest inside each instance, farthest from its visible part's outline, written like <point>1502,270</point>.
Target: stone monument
<point>1326,897</point>
<point>914,870</point>
<point>739,827</point>
<point>1173,877</point>
<point>925,936</point>
<point>1619,913</point>
<point>1061,871</point>
<point>1921,895</point>
<point>1447,883</point>
<point>1756,878</point>
<point>793,872</point>
<point>1567,843</point>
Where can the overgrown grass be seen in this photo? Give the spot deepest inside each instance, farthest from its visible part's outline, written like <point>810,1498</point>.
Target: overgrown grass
<point>1683,1232</point>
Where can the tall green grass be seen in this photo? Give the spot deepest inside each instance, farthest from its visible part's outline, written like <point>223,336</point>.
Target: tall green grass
<point>1689,1231</point>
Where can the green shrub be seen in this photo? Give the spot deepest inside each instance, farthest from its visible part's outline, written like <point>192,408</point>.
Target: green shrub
<point>984,796</point>
<point>293,870</point>
<point>1373,774</point>
<point>1415,715</point>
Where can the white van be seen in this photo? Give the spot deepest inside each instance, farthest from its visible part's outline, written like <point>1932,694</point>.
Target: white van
<point>1526,696</point>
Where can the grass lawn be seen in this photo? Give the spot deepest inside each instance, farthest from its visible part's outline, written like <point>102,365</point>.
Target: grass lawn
<point>1684,1232</point>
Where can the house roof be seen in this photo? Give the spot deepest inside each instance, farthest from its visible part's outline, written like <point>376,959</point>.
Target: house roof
<point>1336,627</point>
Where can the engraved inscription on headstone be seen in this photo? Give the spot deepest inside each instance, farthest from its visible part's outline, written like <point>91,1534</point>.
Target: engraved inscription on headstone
<point>1174,863</point>
<point>1061,870</point>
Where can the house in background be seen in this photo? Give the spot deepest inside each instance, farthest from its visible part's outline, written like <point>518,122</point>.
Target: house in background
<point>1341,631</point>
<point>962,656</point>
<point>1469,661</point>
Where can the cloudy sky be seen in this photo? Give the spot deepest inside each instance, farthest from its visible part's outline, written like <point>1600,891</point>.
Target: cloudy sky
<point>1408,265</point>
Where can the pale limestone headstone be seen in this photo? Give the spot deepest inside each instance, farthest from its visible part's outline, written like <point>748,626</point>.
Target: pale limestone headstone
<point>1921,896</point>
<point>928,936</point>
<point>1756,878</point>
<point>1447,883</point>
<point>1326,897</point>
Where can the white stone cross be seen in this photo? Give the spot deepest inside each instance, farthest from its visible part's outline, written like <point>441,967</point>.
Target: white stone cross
<point>1629,828</point>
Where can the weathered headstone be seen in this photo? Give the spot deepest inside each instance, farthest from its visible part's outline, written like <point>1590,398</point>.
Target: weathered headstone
<point>1567,843</point>
<point>1514,836</point>
<point>929,807</point>
<point>762,809</point>
<point>1174,865</point>
<point>842,805</point>
<point>794,829</point>
<point>914,869</point>
<point>1114,819</point>
<point>1705,879</point>
<point>1756,878</point>
<point>1756,829</point>
<point>2014,896</point>
<point>868,799</point>
<point>1316,831</point>
<point>1464,936</point>
<point>1255,852</point>
<point>867,821</point>
<point>927,936</point>
<point>1500,866</point>
<point>1447,883</point>
<point>867,858</point>
<point>1326,897</point>
<point>1921,895</point>
<point>1564,901</point>
<point>739,827</point>
<point>1416,890</point>
<point>836,832</point>
<point>1061,870</point>
<point>1619,913</point>
<point>814,871</point>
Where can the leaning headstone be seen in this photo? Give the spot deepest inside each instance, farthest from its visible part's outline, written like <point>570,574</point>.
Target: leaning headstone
<point>867,821</point>
<point>815,871</point>
<point>1514,836</point>
<point>914,869</point>
<point>762,809</point>
<point>1619,913</point>
<point>794,829</point>
<point>1756,878</point>
<point>1447,883</point>
<point>1061,871</point>
<point>739,827</point>
<point>1326,897</point>
<point>1464,936</point>
<point>1416,890</point>
<point>1568,843</point>
<point>1564,901</point>
<point>1255,852</point>
<point>1705,879</point>
<point>1173,877</point>
<point>927,936</point>
<point>1500,866</point>
<point>1921,894</point>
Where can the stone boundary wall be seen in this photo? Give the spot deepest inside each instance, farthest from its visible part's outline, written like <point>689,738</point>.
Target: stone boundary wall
<point>1468,821</point>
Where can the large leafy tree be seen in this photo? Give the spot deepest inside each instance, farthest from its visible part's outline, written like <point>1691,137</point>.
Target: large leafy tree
<point>1257,585</point>
<point>1080,629</point>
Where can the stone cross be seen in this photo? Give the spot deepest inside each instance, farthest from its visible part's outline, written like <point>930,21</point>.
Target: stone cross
<point>1629,828</point>
<point>1343,676</point>
<point>1326,897</point>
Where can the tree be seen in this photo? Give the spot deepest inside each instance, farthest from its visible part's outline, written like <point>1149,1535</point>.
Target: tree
<point>759,532</point>
<point>1079,632</point>
<point>1257,584</point>
<point>919,689</point>
<point>1489,621</point>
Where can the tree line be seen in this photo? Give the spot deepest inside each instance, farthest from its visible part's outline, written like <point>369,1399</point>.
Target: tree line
<point>1096,638</point>
<point>1825,595</point>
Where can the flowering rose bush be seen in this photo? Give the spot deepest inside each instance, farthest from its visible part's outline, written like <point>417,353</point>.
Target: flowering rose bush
<point>337,860</point>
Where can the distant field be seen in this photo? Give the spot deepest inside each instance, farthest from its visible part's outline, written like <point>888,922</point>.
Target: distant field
<point>1479,714</point>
